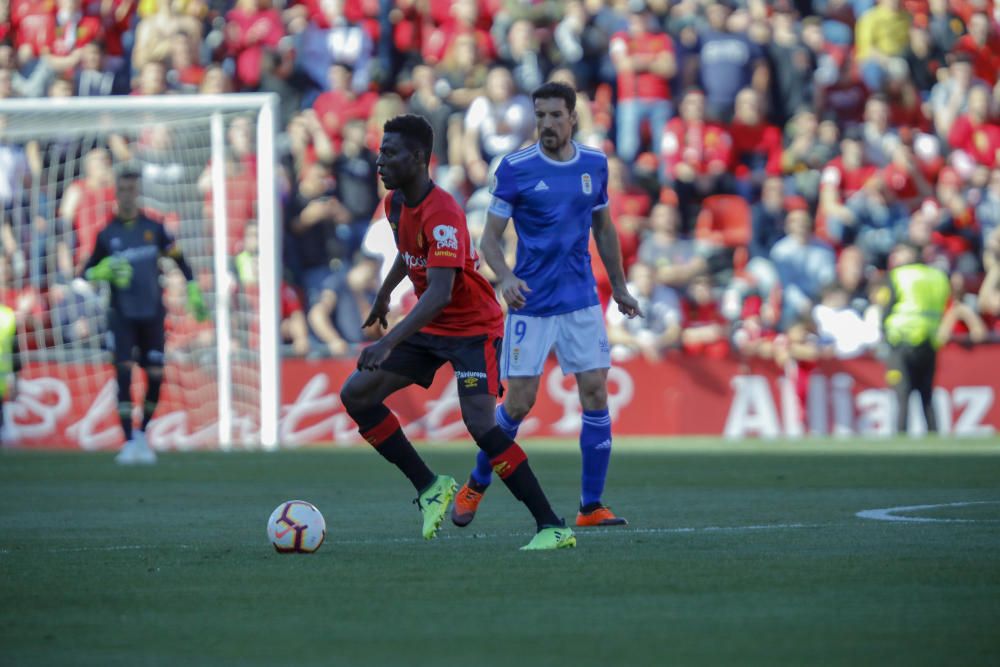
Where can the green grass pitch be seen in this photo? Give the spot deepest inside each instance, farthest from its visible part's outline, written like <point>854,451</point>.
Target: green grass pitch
<point>738,553</point>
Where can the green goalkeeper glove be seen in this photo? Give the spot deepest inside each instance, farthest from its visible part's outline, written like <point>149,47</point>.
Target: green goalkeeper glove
<point>114,270</point>
<point>196,302</point>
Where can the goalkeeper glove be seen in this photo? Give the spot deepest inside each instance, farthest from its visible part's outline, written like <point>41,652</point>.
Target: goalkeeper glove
<point>114,270</point>
<point>196,302</point>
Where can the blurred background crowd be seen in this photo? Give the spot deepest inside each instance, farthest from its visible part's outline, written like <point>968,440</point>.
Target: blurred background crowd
<point>765,156</point>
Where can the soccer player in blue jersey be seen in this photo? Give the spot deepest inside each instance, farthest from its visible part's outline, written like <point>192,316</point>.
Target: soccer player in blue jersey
<point>556,193</point>
<point>126,256</point>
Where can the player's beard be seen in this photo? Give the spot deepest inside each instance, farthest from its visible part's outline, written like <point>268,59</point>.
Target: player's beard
<point>552,141</point>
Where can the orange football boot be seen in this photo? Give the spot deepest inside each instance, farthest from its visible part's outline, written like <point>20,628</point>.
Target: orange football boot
<point>599,516</point>
<point>466,503</point>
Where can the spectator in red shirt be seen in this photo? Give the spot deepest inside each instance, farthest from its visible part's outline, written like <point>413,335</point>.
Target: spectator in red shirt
<point>842,178</point>
<point>116,20</point>
<point>902,180</point>
<point>644,63</point>
<point>705,331</point>
<point>956,230</point>
<point>756,151</point>
<point>342,104</point>
<point>89,203</point>
<point>695,155</point>
<point>463,20</point>
<point>185,74</point>
<point>982,45</point>
<point>961,321</point>
<point>251,27</point>
<point>31,24</point>
<point>69,31</point>
<point>973,136</point>
<point>241,183</point>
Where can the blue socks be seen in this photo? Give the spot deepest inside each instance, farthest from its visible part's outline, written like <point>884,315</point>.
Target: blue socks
<point>595,448</point>
<point>482,474</point>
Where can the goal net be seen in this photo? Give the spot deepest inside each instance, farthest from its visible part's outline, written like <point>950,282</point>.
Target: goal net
<point>208,174</point>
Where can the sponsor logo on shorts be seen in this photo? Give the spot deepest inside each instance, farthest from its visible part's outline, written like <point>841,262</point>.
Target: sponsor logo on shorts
<point>470,379</point>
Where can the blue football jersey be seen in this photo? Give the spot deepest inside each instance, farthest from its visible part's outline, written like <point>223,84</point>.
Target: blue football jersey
<point>552,204</point>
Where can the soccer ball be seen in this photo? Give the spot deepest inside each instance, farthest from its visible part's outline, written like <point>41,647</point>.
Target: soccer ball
<point>296,527</point>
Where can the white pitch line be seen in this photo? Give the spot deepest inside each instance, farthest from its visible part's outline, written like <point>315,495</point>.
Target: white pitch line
<point>595,532</point>
<point>889,513</point>
<point>115,547</point>
<point>583,534</point>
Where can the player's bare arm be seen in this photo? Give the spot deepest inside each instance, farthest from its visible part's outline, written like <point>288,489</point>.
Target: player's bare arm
<point>513,289</point>
<point>606,237</point>
<point>440,281</point>
<point>380,308</point>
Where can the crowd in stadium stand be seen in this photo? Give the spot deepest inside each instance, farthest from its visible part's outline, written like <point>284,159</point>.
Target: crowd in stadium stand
<point>764,156</point>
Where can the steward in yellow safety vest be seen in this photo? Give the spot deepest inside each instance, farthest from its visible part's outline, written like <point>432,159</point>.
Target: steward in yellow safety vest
<point>9,361</point>
<point>918,296</point>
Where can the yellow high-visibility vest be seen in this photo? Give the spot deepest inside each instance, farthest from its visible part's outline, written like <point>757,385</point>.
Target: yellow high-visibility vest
<point>8,329</point>
<point>921,296</point>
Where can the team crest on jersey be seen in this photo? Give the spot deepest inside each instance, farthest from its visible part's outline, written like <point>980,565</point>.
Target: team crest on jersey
<point>116,244</point>
<point>148,236</point>
<point>446,237</point>
<point>420,239</point>
<point>585,182</point>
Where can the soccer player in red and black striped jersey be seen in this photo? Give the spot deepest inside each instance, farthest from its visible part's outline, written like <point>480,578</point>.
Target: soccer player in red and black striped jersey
<point>456,320</point>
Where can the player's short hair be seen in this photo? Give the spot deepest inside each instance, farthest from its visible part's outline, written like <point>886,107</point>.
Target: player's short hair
<point>911,246</point>
<point>415,131</point>
<point>128,172</point>
<point>554,89</point>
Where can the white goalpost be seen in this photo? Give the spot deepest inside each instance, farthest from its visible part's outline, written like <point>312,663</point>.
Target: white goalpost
<point>208,166</point>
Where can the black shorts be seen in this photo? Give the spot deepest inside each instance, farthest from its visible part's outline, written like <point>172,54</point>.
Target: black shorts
<point>476,360</point>
<point>146,336</point>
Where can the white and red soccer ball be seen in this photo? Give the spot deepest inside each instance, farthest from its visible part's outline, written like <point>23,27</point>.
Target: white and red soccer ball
<point>296,527</point>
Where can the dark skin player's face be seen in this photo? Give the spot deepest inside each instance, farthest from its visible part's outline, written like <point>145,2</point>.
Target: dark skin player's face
<point>128,195</point>
<point>396,163</point>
